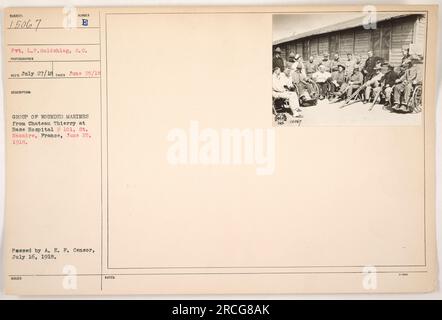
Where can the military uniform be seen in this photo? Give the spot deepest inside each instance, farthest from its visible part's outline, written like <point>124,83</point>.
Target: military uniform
<point>373,84</point>
<point>334,64</point>
<point>310,68</point>
<point>405,59</point>
<point>354,82</point>
<point>327,64</point>
<point>369,66</point>
<point>322,78</point>
<point>300,80</point>
<point>349,66</point>
<point>405,85</point>
<point>337,80</point>
<point>280,91</point>
<point>388,81</point>
<point>278,62</point>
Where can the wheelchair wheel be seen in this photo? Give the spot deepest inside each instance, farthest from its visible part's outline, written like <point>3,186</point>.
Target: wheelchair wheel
<point>296,89</point>
<point>416,99</point>
<point>315,89</point>
<point>302,102</point>
<point>330,90</point>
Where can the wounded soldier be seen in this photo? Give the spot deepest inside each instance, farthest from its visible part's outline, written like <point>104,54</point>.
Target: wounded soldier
<point>354,82</point>
<point>280,92</point>
<point>338,78</point>
<point>286,79</point>
<point>303,84</point>
<point>387,83</point>
<point>322,77</point>
<point>373,84</point>
<point>404,87</point>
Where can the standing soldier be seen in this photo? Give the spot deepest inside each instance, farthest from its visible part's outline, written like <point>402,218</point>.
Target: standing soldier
<point>310,67</point>
<point>298,62</point>
<point>358,62</point>
<point>326,62</point>
<point>291,60</point>
<point>369,66</point>
<point>349,64</point>
<point>406,57</point>
<point>335,62</point>
<point>278,62</point>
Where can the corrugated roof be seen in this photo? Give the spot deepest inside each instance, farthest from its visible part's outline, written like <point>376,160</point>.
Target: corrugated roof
<point>355,22</point>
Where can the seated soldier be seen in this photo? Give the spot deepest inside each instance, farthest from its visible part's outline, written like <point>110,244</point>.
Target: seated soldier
<point>404,88</point>
<point>338,78</point>
<point>286,79</point>
<point>279,91</point>
<point>387,83</point>
<point>303,84</point>
<point>332,87</point>
<point>373,84</point>
<point>354,82</point>
<point>321,77</point>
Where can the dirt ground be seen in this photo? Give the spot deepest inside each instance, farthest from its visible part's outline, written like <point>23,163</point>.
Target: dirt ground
<point>358,113</point>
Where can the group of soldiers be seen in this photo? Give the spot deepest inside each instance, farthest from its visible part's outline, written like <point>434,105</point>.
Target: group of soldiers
<point>338,79</point>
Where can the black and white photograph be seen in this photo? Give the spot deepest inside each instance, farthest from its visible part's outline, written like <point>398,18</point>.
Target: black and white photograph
<point>349,68</point>
<point>142,160</point>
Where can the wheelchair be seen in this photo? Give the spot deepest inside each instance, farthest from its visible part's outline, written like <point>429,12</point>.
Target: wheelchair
<point>332,90</point>
<point>314,94</point>
<point>415,100</point>
<point>328,92</point>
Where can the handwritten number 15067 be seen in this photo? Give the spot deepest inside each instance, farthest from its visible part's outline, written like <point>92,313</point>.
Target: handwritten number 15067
<point>25,24</point>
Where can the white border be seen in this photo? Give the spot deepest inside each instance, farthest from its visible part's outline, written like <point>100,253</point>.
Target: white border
<point>107,3</point>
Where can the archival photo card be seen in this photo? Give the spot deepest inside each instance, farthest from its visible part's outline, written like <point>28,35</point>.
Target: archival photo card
<point>348,68</point>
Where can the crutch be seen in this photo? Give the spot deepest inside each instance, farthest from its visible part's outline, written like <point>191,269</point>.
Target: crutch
<point>354,94</point>
<point>375,100</point>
